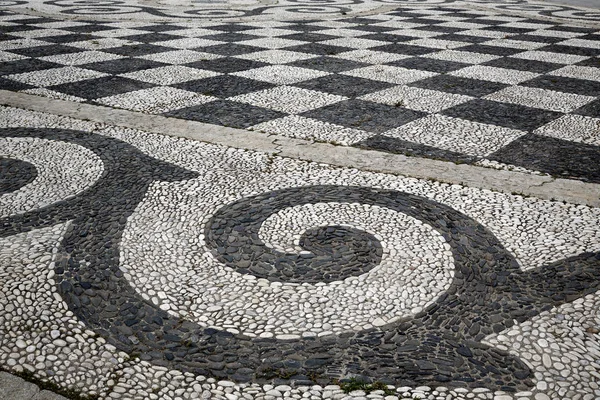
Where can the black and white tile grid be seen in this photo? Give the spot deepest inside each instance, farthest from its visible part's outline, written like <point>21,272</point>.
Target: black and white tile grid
<point>168,268</point>
<point>283,9</point>
<point>445,82</point>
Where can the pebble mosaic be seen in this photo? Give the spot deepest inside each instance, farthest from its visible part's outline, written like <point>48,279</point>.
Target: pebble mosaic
<point>138,279</point>
<point>390,79</point>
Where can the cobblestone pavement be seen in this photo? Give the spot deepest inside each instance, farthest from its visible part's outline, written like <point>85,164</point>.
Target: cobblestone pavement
<point>136,264</point>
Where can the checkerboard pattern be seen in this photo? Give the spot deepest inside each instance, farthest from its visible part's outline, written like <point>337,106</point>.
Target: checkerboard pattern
<point>458,81</point>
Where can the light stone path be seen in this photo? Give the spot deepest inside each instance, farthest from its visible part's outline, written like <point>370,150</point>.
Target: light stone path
<point>256,199</point>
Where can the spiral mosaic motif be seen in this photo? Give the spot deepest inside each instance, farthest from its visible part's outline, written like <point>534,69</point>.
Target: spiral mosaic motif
<point>437,344</point>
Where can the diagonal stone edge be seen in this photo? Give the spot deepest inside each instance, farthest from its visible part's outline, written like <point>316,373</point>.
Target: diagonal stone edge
<point>543,187</point>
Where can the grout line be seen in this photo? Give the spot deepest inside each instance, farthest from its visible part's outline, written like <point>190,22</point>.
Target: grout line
<point>543,187</point>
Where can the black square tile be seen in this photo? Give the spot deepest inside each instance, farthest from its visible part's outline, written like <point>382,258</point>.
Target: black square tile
<point>590,109</point>
<point>429,64</point>
<point>343,85</point>
<point>9,84</point>
<point>537,38</point>
<point>440,29</point>
<point>226,64</point>
<point>372,28</point>
<point>304,27</point>
<point>319,49</point>
<point>230,49</point>
<point>161,28</point>
<point>73,37</point>
<point>502,114</point>
<point>4,37</point>
<point>483,20</point>
<point>590,62</point>
<point>227,113</point>
<point>37,20</point>
<point>101,87</point>
<point>520,64</point>
<point>232,27</point>
<point>18,28</point>
<point>509,30</point>
<point>495,50</point>
<point>151,37</point>
<point>553,156</point>
<point>309,36</point>
<point>460,37</point>
<point>365,115</point>
<point>224,86</point>
<point>592,36</point>
<point>88,28</point>
<point>388,37</point>
<point>459,85</point>
<point>563,84</point>
<point>403,48</point>
<point>123,65</point>
<point>43,51</point>
<point>580,51</point>
<point>328,64</point>
<point>26,65</point>
<point>140,49</point>
<point>230,37</point>
<point>576,29</point>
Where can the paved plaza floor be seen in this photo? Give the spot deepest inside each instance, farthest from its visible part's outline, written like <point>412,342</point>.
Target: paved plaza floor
<point>320,199</point>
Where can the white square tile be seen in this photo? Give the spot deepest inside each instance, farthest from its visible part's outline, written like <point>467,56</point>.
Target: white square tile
<point>270,31</point>
<point>289,99</point>
<point>526,25</point>
<point>591,44</point>
<point>399,24</point>
<point>276,56</point>
<point>577,128</point>
<point>416,98</point>
<point>267,24</point>
<point>299,127</point>
<point>342,32</point>
<point>485,33</point>
<point>387,73</point>
<point>546,56</point>
<point>117,33</point>
<point>21,44</point>
<point>355,43</point>
<point>371,56</point>
<point>61,24</point>
<point>555,34</point>
<point>272,43</point>
<point>281,74</point>
<point>156,100</point>
<point>494,74</point>
<point>99,44</point>
<point>455,134</point>
<point>51,94</point>
<point>416,33</point>
<point>188,43</point>
<point>540,98</point>
<point>170,74</point>
<point>515,44</point>
<point>40,33</point>
<point>8,56</point>
<point>462,56</point>
<point>55,76</point>
<point>463,25</point>
<point>578,72</point>
<point>81,57</point>
<point>180,56</point>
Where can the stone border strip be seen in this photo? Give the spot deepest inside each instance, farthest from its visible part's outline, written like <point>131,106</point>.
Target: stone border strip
<point>543,187</point>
